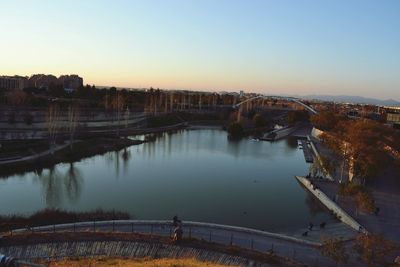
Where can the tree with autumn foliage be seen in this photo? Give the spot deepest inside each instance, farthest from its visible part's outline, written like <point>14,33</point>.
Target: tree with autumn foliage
<point>361,144</point>
<point>374,250</point>
<point>334,248</point>
<point>325,120</point>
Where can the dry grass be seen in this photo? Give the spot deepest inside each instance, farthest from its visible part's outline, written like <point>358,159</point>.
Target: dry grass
<point>119,262</point>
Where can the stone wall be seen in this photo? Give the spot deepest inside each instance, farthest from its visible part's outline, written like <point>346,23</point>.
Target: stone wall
<point>128,249</point>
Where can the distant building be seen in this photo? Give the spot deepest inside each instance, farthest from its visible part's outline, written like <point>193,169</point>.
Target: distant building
<point>43,81</point>
<point>13,82</point>
<point>71,82</point>
<point>393,116</point>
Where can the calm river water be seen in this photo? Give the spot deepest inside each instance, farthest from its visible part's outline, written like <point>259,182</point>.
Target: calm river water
<point>197,174</point>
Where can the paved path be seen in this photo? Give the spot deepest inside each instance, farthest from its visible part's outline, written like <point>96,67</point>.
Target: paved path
<point>35,156</point>
<point>302,250</point>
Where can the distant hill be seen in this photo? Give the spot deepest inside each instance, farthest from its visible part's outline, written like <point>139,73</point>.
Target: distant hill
<point>353,99</point>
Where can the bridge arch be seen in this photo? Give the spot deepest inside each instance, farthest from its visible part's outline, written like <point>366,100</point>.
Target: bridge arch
<point>287,98</point>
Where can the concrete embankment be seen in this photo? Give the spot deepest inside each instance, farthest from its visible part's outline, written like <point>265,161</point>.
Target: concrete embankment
<point>331,205</point>
<point>318,157</point>
<point>125,249</point>
<point>279,133</point>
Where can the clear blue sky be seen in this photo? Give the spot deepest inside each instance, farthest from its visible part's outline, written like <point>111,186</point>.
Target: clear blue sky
<point>295,47</point>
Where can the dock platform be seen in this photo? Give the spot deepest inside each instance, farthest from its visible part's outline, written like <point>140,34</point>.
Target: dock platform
<point>308,156</point>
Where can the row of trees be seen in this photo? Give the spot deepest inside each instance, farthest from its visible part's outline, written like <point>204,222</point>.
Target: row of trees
<point>371,249</point>
<point>362,144</point>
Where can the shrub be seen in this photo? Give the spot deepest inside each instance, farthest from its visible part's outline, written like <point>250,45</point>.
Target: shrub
<point>259,121</point>
<point>365,202</point>
<point>350,189</point>
<point>235,130</point>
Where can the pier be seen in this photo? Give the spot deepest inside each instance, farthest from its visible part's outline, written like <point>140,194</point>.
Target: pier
<point>308,155</point>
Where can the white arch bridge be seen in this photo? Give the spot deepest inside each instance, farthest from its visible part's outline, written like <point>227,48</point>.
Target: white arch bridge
<point>287,98</point>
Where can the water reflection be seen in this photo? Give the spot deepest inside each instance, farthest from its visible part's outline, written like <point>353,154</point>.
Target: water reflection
<point>52,187</point>
<point>57,186</point>
<point>73,182</point>
<point>313,205</point>
<point>125,156</point>
<point>291,142</point>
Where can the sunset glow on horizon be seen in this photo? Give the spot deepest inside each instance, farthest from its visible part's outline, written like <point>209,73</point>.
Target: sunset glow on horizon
<point>278,47</point>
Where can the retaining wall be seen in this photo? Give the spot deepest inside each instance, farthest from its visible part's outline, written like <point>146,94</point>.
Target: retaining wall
<point>332,206</point>
<point>126,249</point>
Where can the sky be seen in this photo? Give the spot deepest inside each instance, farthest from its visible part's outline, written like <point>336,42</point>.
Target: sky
<point>299,47</point>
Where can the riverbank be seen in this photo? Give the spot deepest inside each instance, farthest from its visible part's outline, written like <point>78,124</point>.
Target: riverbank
<point>55,216</point>
<point>79,150</point>
<point>36,155</point>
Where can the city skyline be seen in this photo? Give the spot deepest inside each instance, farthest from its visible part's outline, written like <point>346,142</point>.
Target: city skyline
<point>286,47</point>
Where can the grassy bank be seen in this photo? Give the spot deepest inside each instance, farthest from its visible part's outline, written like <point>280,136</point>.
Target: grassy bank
<point>54,216</point>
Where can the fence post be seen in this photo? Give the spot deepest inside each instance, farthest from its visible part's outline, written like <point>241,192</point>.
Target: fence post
<point>210,235</point>
<point>272,248</point>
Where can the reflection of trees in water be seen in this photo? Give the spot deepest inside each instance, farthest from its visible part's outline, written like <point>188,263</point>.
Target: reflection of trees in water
<point>313,205</point>
<point>291,142</point>
<point>73,182</point>
<point>116,163</point>
<point>234,147</point>
<point>109,158</point>
<point>51,183</point>
<point>126,156</point>
<point>114,158</point>
<point>290,145</point>
<point>57,185</point>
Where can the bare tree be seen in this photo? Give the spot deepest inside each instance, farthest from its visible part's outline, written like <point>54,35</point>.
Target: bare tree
<point>126,115</point>
<point>72,123</point>
<point>53,122</point>
<point>118,104</point>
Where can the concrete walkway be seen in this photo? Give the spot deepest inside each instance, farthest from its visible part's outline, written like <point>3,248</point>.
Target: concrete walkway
<point>302,250</point>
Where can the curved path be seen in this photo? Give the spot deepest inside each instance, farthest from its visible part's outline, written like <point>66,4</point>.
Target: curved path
<point>298,249</point>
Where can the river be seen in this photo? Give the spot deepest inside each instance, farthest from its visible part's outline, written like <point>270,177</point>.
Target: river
<point>197,174</point>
